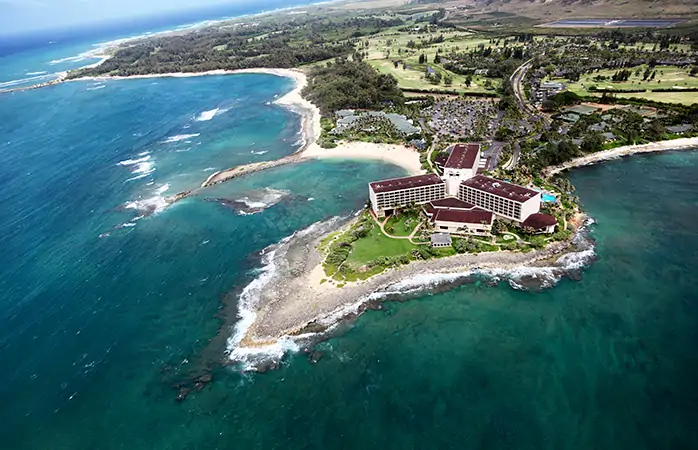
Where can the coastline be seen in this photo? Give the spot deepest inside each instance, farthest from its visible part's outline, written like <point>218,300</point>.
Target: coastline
<point>272,322</point>
<point>627,150</point>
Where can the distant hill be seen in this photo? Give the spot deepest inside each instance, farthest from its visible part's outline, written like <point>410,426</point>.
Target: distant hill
<point>559,9</point>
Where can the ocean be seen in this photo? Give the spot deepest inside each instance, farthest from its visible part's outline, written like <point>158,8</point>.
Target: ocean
<point>112,302</point>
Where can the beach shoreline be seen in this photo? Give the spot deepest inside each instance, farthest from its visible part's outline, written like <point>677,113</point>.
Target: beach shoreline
<point>273,321</point>
<point>627,150</point>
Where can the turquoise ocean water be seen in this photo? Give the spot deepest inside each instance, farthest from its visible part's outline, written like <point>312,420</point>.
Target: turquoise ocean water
<point>111,301</point>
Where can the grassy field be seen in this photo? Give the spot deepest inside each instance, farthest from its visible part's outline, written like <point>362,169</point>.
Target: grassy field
<point>386,48</point>
<point>666,78</point>
<point>376,245</point>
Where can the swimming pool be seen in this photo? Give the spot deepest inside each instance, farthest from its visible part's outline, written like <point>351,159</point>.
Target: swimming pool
<point>547,198</point>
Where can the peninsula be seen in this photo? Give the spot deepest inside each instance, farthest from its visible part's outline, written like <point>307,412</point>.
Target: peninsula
<point>483,117</point>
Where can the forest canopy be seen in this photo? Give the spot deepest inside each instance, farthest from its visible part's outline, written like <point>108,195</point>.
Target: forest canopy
<point>350,84</point>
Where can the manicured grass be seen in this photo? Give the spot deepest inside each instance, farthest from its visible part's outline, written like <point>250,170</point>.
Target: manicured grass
<point>377,245</point>
<point>684,98</point>
<point>381,56</point>
<point>399,224</point>
<point>666,78</point>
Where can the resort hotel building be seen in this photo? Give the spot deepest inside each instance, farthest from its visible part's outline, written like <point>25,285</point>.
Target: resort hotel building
<point>507,200</point>
<point>462,202</point>
<point>462,164</point>
<point>395,193</point>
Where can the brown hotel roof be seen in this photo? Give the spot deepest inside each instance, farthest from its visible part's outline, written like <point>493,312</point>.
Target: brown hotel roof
<point>476,215</point>
<point>538,221</point>
<point>463,156</point>
<point>500,188</point>
<point>397,184</point>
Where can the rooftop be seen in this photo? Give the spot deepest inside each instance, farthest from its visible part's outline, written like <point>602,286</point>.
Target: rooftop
<point>538,221</point>
<point>440,239</point>
<point>475,215</point>
<point>463,156</point>
<point>582,109</point>
<point>397,184</point>
<point>500,188</point>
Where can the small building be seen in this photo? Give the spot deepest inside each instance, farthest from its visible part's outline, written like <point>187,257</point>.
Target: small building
<point>570,118</point>
<point>387,195</point>
<point>441,240</point>
<point>601,126</point>
<point>540,223</point>
<point>507,200</point>
<point>459,221</point>
<point>609,137</point>
<point>679,129</point>
<point>456,216</point>
<point>582,110</point>
<point>461,165</point>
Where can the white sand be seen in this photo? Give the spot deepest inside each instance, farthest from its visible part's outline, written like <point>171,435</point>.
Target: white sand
<point>652,147</point>
<point>398,155</point>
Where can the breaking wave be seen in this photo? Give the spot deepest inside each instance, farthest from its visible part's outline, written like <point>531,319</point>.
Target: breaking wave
<point>250,358</point>
<point>258,201</point>
<point>143,166</point>
<point>151,205</point>
<point>180,137</point>
<point>33,79</point>
<point>208,115</point>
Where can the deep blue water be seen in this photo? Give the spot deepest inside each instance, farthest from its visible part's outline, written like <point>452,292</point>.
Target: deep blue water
<point>96,331</point>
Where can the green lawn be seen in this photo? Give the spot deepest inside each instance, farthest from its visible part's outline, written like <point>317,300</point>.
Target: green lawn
<point>382,56</point>
<point>399,224</point>
<point>375,245</point>
<point>666,78</point>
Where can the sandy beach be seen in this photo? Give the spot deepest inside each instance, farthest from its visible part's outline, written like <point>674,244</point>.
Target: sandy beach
<point>652,147</point>
<point>398,155</point>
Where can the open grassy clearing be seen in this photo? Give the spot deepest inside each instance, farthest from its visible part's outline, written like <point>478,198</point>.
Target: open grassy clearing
<point>377,245</point>
<point>684,98</point>
<point>386,48</point>
<point>667,77</point>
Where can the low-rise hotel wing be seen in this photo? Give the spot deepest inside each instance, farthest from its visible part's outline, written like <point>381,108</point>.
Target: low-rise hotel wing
<point>400,192</point>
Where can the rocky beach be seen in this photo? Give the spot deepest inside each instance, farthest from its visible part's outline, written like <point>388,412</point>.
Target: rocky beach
<point>292,300</point>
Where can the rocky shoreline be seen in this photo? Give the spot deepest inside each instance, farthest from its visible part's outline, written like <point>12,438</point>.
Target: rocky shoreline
<point>290,304</point>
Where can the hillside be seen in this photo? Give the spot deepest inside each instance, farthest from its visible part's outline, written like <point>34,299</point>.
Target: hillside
<point>549,10</point>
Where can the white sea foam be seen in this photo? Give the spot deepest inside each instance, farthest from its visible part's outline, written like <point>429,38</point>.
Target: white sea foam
<point>131,162</point>
<point>96,88</point>
<point>209,169</point>
<point>249,357</point>
<point>261,152</point>
<point>152,205</point>
<point>33,79</point>
<point>29,74</point>
<point>263,199</point>
<point>207,115</point>
<point>180,137</point>
<point>162,189</point>
<point>138,177</point>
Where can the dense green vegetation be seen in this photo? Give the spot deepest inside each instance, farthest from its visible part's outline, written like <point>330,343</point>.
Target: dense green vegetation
<point>281,44</point>
<point>351,84</point>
